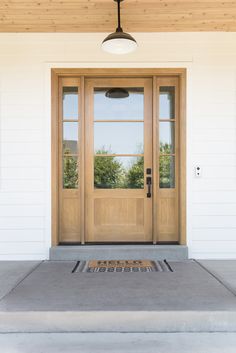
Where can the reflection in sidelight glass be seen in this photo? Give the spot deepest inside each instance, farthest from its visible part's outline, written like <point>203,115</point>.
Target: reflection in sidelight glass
<point>70,172</point>
<point>70,103</point>
<point>167,103</point>
<point>167,172</point>
<point>118,172</point>
<point>167,137</point>
<point>118,138</point>
<point>129,108</point>
<point>70,137</point>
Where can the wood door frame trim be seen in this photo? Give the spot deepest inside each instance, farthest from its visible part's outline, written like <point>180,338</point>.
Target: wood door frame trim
<point>125,72</point>
<point>56,73</point>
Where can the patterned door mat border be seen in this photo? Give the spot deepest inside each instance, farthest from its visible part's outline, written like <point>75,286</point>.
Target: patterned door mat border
<point>127,266</point>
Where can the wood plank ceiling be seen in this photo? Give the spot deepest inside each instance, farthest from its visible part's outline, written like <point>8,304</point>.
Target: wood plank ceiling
<point>100,15</point>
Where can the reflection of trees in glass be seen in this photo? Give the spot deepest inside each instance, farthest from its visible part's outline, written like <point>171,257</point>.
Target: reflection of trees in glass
<point>166,167</point>
<point>108,171</point>
<point>70,171</point>
<point>165,148</point>
<point>70,146</point>
<point>134,176</point>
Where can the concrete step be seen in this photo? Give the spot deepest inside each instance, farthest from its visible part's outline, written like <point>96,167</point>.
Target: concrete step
<point>53,298</point>
<point>129,321</point>
<point>119,252</point>
<point>118,343</point>
<point>118,321</point>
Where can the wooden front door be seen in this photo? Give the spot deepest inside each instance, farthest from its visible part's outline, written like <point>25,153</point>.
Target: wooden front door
<point>112,136</point>
<point>118,160</point>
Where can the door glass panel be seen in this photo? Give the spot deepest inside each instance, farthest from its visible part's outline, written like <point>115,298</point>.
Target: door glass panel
<point>167,103</point>
<point>70,103</point>
<point>70,137</point>
<point>167,172</point>
<point>70,172</point>
<point>118,172</point>
<point>167,137</point>
<point>118,138</point>
<point>129,108</point>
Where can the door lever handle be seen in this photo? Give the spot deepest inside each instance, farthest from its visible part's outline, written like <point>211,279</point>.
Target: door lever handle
<point>149,183</point>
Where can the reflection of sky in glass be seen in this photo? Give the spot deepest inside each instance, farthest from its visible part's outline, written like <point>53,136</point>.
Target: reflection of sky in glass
<point>167,134</point>
<point>127,162</point>
<point>123,138</point>
<point>166,102</point>
<point>70,131</point>
<point>118,108</point>
<point>119,137</point>
<point>70,104</point>
<point>70,137</point>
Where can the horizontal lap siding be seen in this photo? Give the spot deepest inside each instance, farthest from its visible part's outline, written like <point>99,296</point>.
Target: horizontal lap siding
<point>23,163</point>
<point>25,132</point>
<point>212,225</point>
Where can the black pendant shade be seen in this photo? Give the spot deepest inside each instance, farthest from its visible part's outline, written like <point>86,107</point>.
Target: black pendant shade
<point>119,42</point>
<point>117,92</point>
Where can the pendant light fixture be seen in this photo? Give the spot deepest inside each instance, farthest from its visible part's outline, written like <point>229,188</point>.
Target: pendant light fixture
<point>117,92</point>
<point>119,42</point>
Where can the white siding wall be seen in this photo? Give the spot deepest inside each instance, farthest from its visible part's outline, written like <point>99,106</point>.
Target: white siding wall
<point>25,61</point>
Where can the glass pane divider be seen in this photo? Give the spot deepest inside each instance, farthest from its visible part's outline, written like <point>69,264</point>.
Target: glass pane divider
<point>167,120</point>
<point>118,155</point>
<point>119,121</point>
<point>70,120</point>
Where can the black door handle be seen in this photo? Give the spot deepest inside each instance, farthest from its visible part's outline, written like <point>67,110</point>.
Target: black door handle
<point>149,183</point>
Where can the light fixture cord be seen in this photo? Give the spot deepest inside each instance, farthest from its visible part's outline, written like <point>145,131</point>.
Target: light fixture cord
<point>119,29</point>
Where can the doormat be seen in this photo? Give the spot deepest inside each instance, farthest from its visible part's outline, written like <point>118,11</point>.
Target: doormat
<point>110,266</point>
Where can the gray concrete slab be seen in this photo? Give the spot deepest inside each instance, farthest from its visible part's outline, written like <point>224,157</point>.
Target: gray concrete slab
<point>12,272</point>
<point>119,252</point>
<point>224,270</point>
<point>52,299</point>
<point>52,287</point>
<point>119,343</point>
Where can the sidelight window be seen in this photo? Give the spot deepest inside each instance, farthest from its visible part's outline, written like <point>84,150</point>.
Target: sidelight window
<point>167,149</point>
<point>70,137</point>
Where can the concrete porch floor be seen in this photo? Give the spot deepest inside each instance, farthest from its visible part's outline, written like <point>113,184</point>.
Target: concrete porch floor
<point>48,297</point>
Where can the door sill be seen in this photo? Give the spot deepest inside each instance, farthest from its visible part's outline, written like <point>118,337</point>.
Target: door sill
<point>118,243</point>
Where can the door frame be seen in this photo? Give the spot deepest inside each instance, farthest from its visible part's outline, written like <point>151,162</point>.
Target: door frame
<point>57,73</point>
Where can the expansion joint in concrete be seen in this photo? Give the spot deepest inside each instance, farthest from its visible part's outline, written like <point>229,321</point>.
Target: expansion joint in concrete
<point>21,280</point>
<point>226,286</point>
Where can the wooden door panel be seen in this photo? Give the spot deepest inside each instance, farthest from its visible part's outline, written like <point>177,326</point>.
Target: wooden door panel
<point>70,217</point>
<point>168,216</point>
<point>123,214</point>
<point>119,219</point>
<point>118,212</point>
